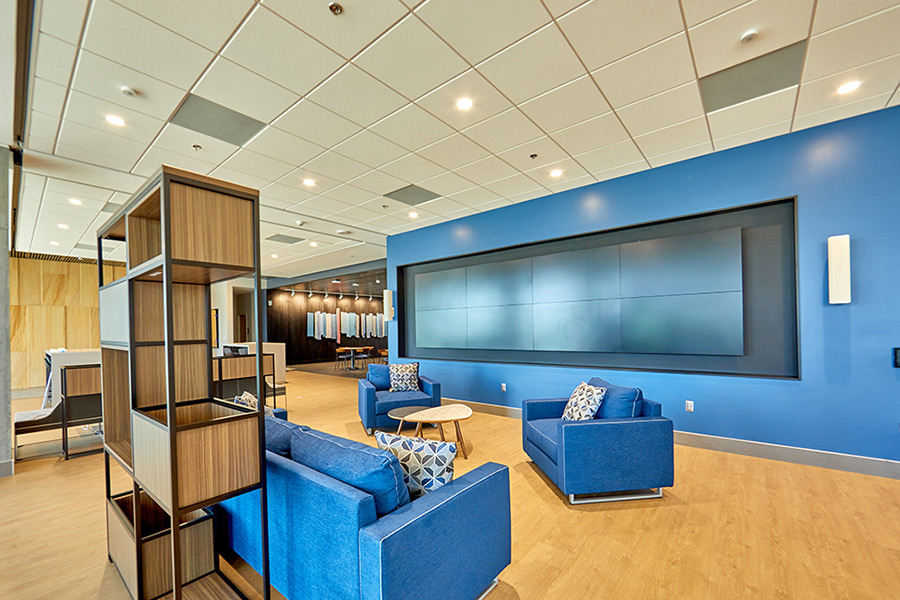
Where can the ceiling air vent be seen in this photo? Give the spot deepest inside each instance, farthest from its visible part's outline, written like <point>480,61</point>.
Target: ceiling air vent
<point>209,118</point>
<point>412,195</point>
<point>284,239</point>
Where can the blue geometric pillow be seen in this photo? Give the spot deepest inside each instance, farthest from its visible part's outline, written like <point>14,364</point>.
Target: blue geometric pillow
<point>427,464</point>
<point>404,377</point>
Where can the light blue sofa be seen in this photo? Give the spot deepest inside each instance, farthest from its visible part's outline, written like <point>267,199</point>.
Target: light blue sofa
<point>375,399</point>
<point>328,539</point>
<point>627,449</point>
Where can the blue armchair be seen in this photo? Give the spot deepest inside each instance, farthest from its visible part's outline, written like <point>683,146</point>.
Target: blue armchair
<point>619,455</point>
<point>375,399</point>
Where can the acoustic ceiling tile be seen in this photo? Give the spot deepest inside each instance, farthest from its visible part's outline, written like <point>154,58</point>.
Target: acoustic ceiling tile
<point>278,144</point>
<point>54,59</point>
<point>610,157</point>
<point>354,29</point>
<point>270,46</point>
<point>357,96</point>
<point>566,105</point>
<point>113,30</point>
<point>336,166</point>
<point>674,106</point>
<point>123,149</point>
<point>453,151</point>
<point>654,69</point>
<point>411,59</point>
<point>486,100</point>
<point>155,156</point>
<point>602,32</point>
<point>207,22</point>
<point>680,155</point>
<point>311,122</point>
<point>231,85</point>
<point>858,43</point>
<point>486,170</point>
<point>540,62</point>
<point>320,183</point>
<point>182,140</point>
<point>834,13</point>
<point>843,111</point>
<point>543,150</point>
<point>717,42</point>
<point>753,135</point>
<point>569,168</point>
<point>412,168</point>
<point>753,114</point>
<point>503,131</point>
<point>442,206</point>
<point>478,29</point>
<point>105,79</point>
<point>480,195</point>
<point>621,170</point>
<point>349,194</point>
<point>92,112</point>
<point>412,127</point>
<point>63,19</point>
<point>597,132</point>
<point>560,7</point>
<point>697,11</point>
<point>265,167</point>
<point>446,184</point>
<point>876,78</point>
<point>571,184</point>
<point>674,138</point>
<point>240,178</point>
<point>370,149</point>
<point>378,182</point>
<point>48,97</point>
<point>506,187</point>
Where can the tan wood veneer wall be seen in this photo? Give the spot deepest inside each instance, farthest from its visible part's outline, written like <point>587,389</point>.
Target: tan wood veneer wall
<point>51,304</point>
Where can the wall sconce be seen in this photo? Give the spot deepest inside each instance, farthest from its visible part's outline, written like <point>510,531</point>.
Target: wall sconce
<point>839,269</point>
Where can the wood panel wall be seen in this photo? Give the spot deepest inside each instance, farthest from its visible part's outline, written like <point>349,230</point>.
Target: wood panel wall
<point>52,304</point>
<point>286,322</point>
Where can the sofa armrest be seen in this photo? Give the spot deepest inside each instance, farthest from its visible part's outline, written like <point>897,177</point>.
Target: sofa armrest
<point>606,455</point>
<point>367,403</point>
<point>432,388</point>
<point>649,408</point>
<point>459,533</point>
<point>549,408</point>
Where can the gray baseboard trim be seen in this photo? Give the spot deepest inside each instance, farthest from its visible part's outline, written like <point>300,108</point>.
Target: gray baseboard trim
<point>489,409</point>
<point>7,468</point>
<point>803,456</point>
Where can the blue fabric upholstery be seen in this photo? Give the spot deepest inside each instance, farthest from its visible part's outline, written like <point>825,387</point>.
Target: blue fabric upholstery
<point>379,376</point>
<point>278,435</point>
<point>470,521</point>
<point>620,402</point>
<point>375,471</point>
<point>326,541</point>
<point>600,455</point>
<point>280,413</point>
<point>375,404</point>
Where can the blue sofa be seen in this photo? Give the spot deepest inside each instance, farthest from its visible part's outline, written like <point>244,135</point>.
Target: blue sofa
<point>627,449</point>
<point>375,399</point>
<point>330,539</point>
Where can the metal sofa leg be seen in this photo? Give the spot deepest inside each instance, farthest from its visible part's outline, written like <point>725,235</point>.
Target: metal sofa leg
<point>487,590</point>
<point>595,499</point>
<point>370,430</point>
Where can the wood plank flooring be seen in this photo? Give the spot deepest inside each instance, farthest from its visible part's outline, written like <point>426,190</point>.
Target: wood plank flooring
<point>732,527</point>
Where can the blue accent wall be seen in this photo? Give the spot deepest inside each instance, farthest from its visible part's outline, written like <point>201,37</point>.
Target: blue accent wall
<point>846,177</point>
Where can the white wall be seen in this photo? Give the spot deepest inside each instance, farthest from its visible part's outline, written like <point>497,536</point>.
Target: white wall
<point>222,296</point>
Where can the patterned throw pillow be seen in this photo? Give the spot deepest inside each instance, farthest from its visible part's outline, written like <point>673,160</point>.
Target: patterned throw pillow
<point>405,377</point>
<point>427,464</point>
<point>583,403</point>
<point>249,400</point>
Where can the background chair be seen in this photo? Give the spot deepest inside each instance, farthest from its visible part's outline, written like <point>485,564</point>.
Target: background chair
<point>621,457</point>
<point>375,401</point>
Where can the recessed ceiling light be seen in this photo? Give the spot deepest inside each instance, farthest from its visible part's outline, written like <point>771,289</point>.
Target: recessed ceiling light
<point>413,215</point>
<point>314,244</point>
<point>556,173</point>
<point>75,201</point>
<point>274,256</point>
<point>62,225</point>
<point>54,243</point>
<point>464,103</point>
<point>850,86</point>
<point>309,182</point>
<point>115,120</point>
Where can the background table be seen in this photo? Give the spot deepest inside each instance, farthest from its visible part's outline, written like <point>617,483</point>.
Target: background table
<point>437,415</point>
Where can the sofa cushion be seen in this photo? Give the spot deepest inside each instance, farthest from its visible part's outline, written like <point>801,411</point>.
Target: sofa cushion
<point>278,435</point>
<point>620,402</point>
<point>427,464</point>
<point>388,401</point>
<point>544,434</point>
<point>404,377</point>
<point>371,470</point>
<point>583,403</point>
<point>379,376</point>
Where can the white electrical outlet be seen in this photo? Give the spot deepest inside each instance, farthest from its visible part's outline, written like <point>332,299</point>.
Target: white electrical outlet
<point>502,387</point>
<point>689,405</point>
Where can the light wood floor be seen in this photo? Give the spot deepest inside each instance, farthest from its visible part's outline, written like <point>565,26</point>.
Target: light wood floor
<point>732,527</point>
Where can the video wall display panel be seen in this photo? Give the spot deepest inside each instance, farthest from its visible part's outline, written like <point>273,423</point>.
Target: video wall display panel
<point>691,294</point>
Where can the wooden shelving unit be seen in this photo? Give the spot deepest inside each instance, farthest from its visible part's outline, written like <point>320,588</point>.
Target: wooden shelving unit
<point>184,449</point>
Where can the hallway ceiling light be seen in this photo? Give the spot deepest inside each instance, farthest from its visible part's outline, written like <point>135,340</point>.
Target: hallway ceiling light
<point>54,243</point>
<point>309,182</point>
<point>850,86</point>
<point>464,103</point>
<point>115,120</point>
<point>274,256</point>
<point>75,201</point>
<point>556,173</point>
<point>413,215</point>
<point>62,225</point>
<point>314,244</point>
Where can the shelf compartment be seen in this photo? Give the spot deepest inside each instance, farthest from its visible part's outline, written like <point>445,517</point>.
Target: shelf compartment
<point>116,398</point>
<point>114,308</point>
<point>196,537</point>
<point>189,303</point>
<point>190,374</point>
<point>144,231</point>
<point>217,449</point>
<point>210,227</point>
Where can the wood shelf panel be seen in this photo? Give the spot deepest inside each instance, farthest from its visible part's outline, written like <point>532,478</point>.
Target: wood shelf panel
<point>241,367</point>
<point>189,305</point>
<point>190,374</point>
<point>82,381</point>
<point>210,227</point>
<point>144,235</point>
<point>195,274</point>
<point>116,398</point>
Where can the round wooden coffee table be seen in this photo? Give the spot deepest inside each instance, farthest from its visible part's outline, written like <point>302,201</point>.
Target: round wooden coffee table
<point>437,415</point>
